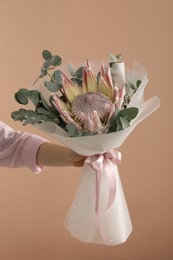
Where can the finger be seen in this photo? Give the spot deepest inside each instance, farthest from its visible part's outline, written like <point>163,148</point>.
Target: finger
<point>79,163</point>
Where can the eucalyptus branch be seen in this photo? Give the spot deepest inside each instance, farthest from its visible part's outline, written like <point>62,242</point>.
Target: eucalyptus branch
<point>51,77</point>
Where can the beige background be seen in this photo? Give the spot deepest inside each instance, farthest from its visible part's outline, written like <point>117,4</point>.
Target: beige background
<point>32,208</point>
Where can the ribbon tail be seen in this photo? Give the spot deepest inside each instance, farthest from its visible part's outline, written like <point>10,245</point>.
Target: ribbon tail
<point>111,178</point>
<point>98,163</point>
<point>97,185</point>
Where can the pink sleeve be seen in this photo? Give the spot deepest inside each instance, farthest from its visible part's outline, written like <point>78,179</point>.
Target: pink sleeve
<point>19,149</point>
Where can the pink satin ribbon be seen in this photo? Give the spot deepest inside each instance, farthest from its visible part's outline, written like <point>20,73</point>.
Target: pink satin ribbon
<point>99,162</point>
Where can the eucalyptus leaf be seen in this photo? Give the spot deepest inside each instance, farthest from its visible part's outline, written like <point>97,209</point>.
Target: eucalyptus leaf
<point>111,64</point>
<point>116,58</point>
<point>119,56</point>
<point>79,72</point>
<point>113,124</point>
<point>41,118</point>
<point>56,60</point>
<point>128,113</point>
<point>112,57</point>
<point>98,77</point>
<point>72,130</point>
<point>126,101</point>
<point>43,72</point>
<point>138,82</point>
<point>46,54</point>
<point>53,87</point>
<point>54,115</point>
<point>22,96</point>
<point>128,89</point>
<point>42,110</point>
<point>131,85</point>
<point>45,104</point>
<point>29,117</point>
<point>71,70</point>
<point>112,121</point>
<point>88,133</point>
<point>77,81</point>
<point>57,79</point>
<point>47,63</point>
<point>16,115</point>
<point>56,76</point>
<point>80,133</point>
<point>122,123</point>
<point>34,96</point>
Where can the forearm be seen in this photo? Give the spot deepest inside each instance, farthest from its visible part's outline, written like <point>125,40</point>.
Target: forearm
<point>21,149</point>
<point>18,149</point>
<point>55,155</point>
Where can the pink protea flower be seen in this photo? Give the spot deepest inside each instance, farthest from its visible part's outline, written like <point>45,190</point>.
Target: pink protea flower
<point>90,107</point>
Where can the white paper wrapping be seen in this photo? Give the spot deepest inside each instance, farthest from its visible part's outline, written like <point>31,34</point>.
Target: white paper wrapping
<point>81,217</point>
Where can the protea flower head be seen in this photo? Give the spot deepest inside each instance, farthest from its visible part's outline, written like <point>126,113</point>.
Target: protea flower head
<point>89,107</point>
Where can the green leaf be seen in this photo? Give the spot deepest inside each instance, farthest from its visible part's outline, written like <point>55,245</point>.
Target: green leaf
<point>56,76</point>
<point>113,121</point>
<point>17,114</point>
<point>128,89</point>
<point>72,130</point>
<point>77,81</point>
<point>119,56</point>
<point>47,63</point>
<point>53,87</point>
<point>112,57</point>
<point>45,104</point>
<point>42,110</point>
<point>79,72</point>
<point>130,84</point>
<point>128,113</point>
<point>98,77</point>
<point>116,58</point>
<point>54,115</point>
<point>138,82</point>
<point>43,72</point>
<point>88,133</point>
<point>22,96</point>
<point>29,117</point>
<point>34,96</point>
<point>71,70</point>
<point>46,54</point>
<point>56,60</point>
<point>122,123</point>
<point>111,64</point>
<point>126,100</point>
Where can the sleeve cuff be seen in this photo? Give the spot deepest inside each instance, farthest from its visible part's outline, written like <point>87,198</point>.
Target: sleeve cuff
<point>30,151</point>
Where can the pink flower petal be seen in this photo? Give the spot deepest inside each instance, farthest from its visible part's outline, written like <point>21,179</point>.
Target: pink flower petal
<point>59,104</point>
<point>71,90</point>
<point>104,89</point>
<point>91,80</point>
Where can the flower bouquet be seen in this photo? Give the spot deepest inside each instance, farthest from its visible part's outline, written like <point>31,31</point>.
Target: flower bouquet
<point>91,108</point>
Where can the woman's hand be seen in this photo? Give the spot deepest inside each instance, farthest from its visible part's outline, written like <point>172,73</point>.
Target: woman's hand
<point>76,159</point>
<point>55,155</point>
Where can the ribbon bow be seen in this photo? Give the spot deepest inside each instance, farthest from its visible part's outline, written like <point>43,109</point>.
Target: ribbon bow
<point>99,162</point>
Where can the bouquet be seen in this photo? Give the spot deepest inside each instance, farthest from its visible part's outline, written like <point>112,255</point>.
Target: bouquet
<point>91,108</point>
